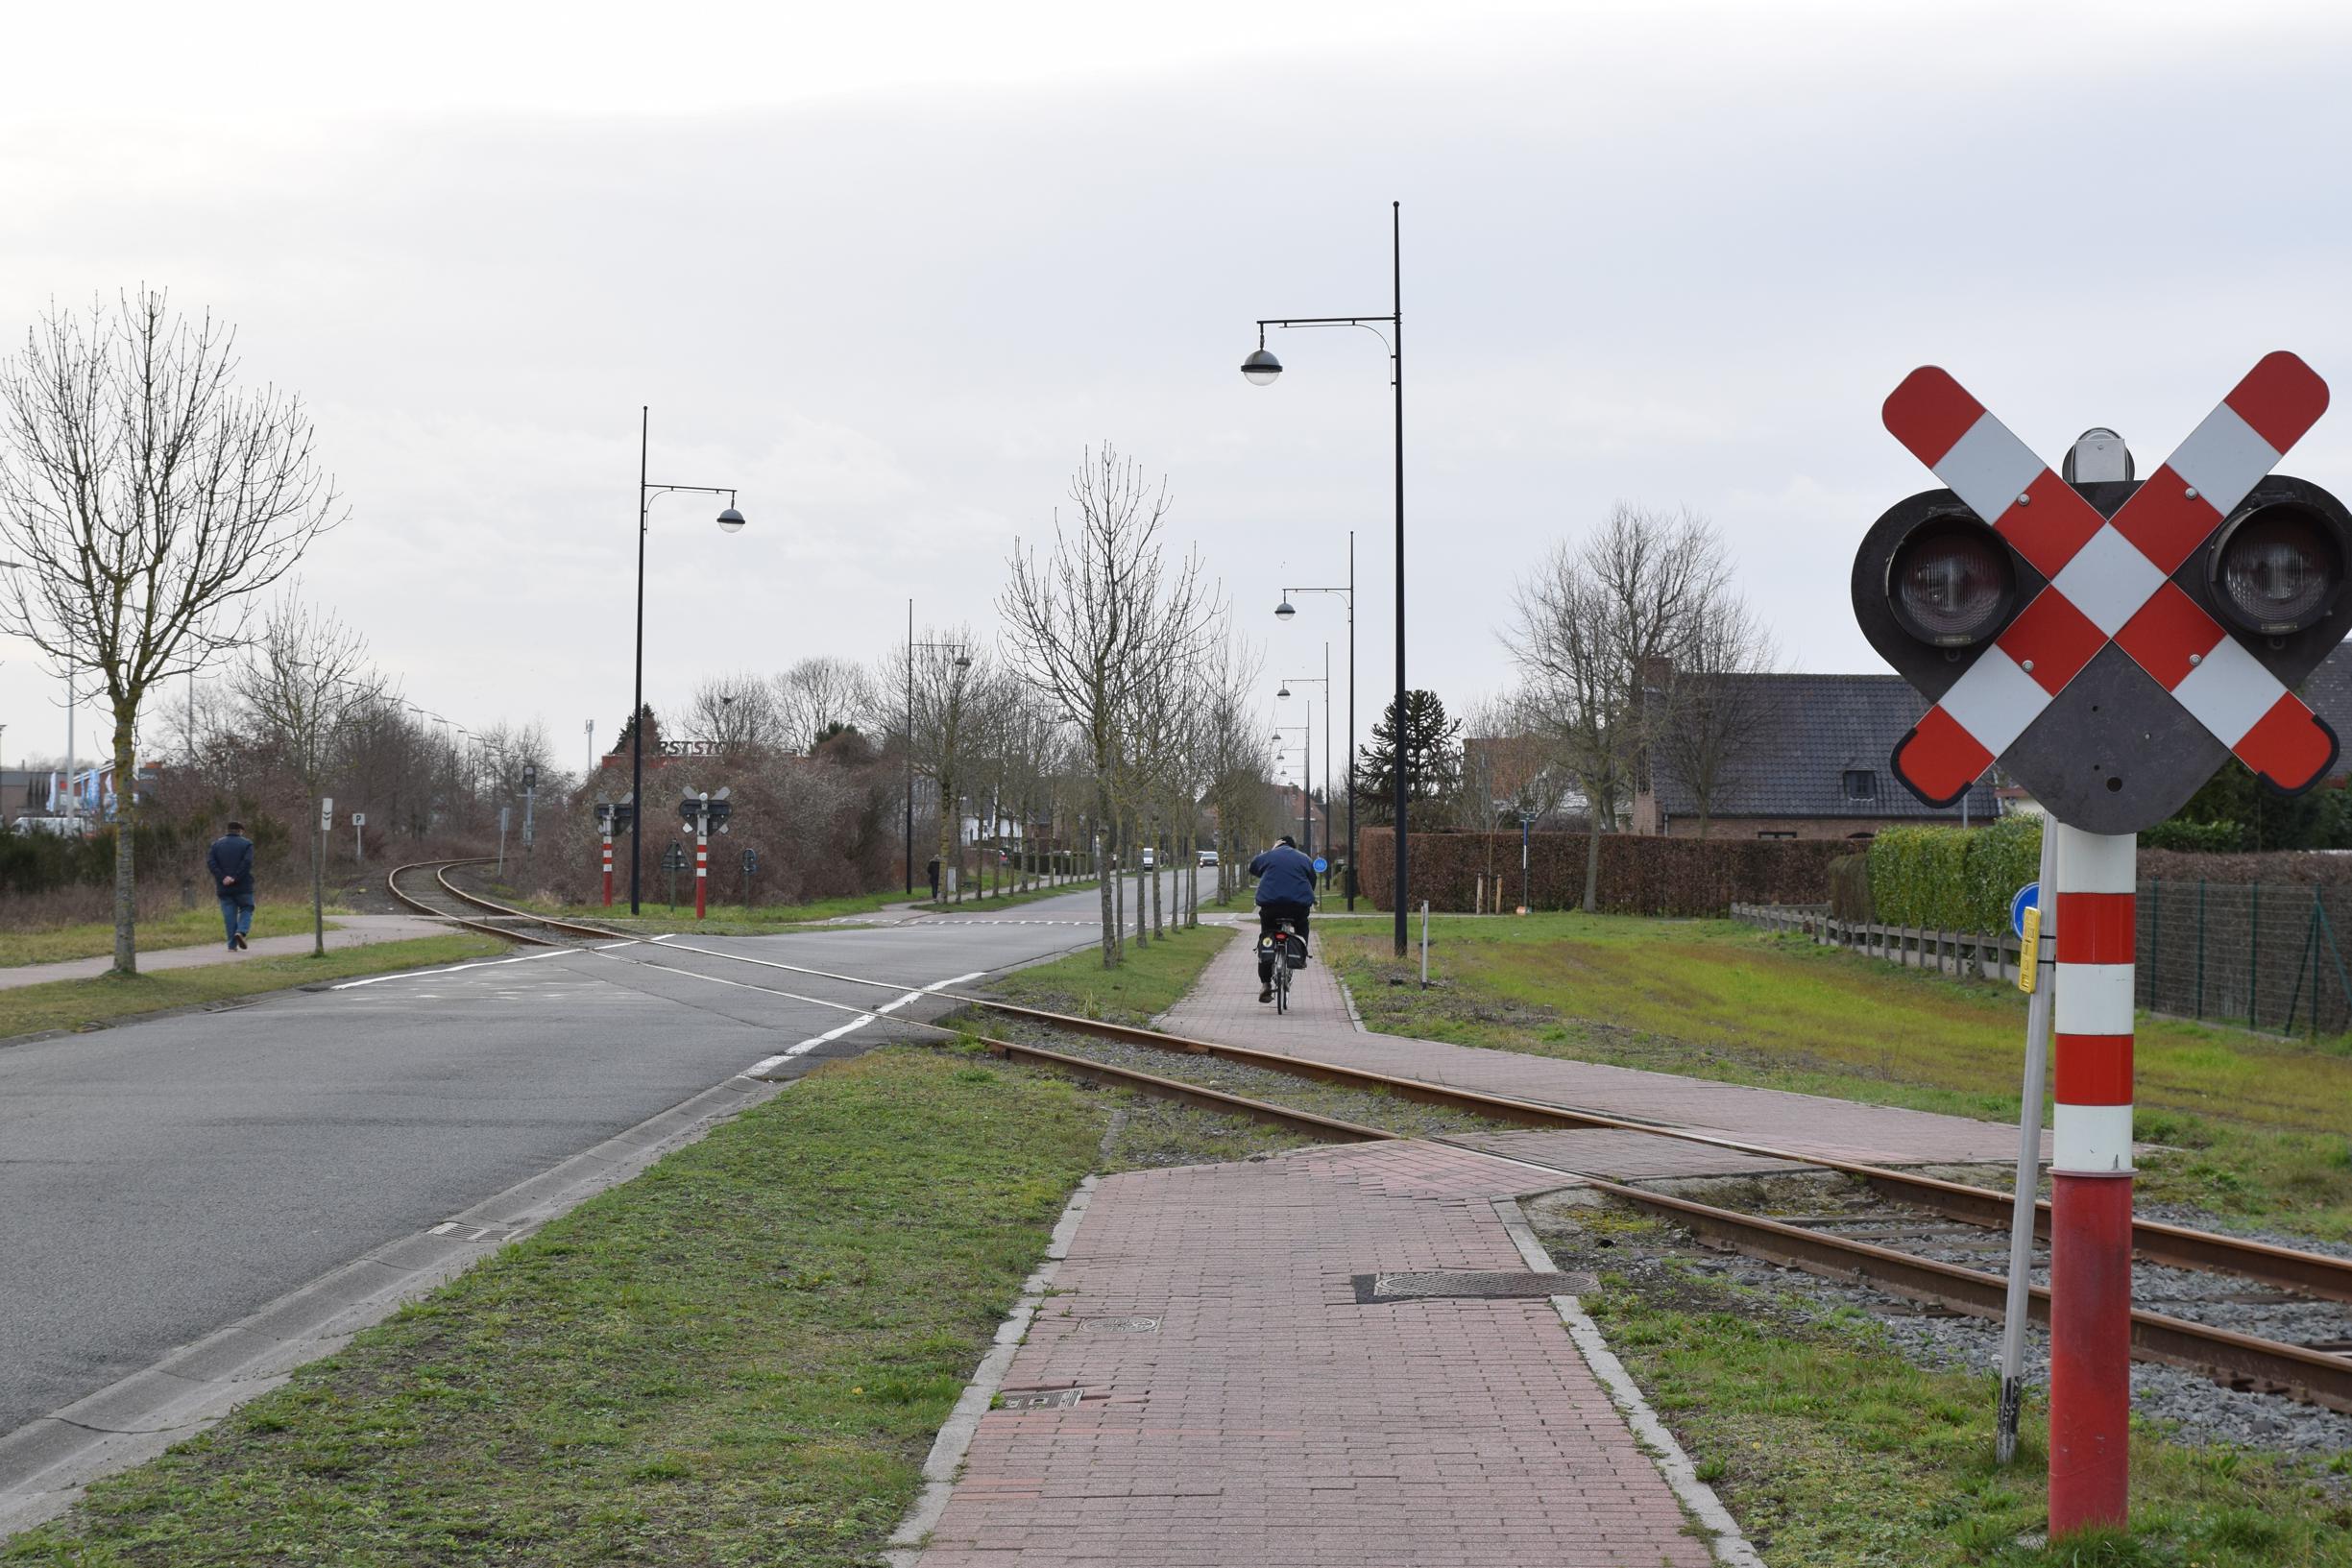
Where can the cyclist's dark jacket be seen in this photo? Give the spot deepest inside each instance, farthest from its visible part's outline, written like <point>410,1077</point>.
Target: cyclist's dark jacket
<point>1285,876</point>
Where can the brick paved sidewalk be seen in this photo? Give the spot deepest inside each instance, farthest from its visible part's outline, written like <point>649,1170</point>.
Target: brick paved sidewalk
<point>1223,1008</point>
<point>1238,1406</point>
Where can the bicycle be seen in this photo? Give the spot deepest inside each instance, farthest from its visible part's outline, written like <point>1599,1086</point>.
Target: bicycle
<point>1290,952</point>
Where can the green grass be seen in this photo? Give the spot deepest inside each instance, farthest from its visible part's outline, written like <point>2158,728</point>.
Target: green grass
<point>181,928</point>
<point>1833,1451</point>
<point>105,999</point>
<point>740,1356</point>
<point>1147,981</point>
<point>2264,1126</point>
<point>655,916</point>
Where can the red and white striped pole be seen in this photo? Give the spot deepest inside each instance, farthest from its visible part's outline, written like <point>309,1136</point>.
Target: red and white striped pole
<point>2090,1240</point>
<point>608,868</point>
<point>702,855</point>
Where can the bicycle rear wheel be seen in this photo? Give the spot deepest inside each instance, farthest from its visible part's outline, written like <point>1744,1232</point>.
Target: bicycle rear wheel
<point>1282,986</point>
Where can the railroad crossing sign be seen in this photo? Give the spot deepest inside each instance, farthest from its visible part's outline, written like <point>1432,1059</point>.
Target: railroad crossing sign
<point>2109,643</point>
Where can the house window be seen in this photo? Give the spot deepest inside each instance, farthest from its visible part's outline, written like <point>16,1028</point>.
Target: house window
<point>1861,785</point>
<point>1776,835</point>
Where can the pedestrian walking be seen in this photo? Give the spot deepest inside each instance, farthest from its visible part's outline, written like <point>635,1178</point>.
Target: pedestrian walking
<point>231,862</point>
<point>932,872</point>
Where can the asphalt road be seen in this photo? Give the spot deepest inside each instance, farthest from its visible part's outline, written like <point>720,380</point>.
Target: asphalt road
<point>159,1180</point>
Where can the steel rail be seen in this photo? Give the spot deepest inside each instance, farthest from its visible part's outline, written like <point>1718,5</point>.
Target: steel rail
<point>494,907</point>
<point>391,885</point>
<point>2245,1360</point>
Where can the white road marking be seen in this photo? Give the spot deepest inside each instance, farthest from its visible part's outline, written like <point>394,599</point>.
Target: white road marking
<point>853,1025</point>
<point>450,969</point>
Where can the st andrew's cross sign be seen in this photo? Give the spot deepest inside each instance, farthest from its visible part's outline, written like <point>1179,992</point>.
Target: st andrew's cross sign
<point>2108,643</point>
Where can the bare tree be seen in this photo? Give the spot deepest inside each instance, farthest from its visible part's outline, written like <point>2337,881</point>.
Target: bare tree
<point>1089,618</point>
<point>149,500</point>
<point>740,714</point>
<point>953,701</point>
<point>1590,620</point>
<point>303,685</point>
<point>820,696</point>
<point>1713,705</point>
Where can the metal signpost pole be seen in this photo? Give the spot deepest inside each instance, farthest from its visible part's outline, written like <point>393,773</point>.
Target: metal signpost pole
<point>702,851</point>
<point>530,787</point>
<point>2038,930</point>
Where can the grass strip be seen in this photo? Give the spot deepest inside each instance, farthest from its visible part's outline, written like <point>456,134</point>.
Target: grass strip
<point>739,1356</point>
<point>2263,1127</point>
<point>180,929</point>
<point>760,919</point>
<point>1835,1451</point>
<point>107,999</point>
<point>1149,979</point>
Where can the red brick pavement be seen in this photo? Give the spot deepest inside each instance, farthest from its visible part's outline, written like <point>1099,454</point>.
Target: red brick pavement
<point>1223,1008</point>
<point>1270,1420</point>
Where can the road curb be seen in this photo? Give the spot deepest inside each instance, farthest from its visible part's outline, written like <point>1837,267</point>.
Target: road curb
<point>45,1463</point>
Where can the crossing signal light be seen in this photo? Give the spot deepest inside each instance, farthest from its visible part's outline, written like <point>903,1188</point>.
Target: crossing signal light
<point>2110,641</point>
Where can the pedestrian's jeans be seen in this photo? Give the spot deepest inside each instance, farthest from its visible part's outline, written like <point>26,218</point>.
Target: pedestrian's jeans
<point>237,914</point>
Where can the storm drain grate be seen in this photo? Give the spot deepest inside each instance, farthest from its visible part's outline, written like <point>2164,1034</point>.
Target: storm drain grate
<point>1121,1325</point>
<point>1497,1285</point>
<point>1039,1399</point>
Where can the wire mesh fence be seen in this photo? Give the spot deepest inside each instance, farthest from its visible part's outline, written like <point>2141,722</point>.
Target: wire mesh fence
<point>2268,955</point>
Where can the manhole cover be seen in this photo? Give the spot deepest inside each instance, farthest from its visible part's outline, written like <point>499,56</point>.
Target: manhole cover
<point>1121,1325</point>
<point>1039,1399</point>
<point>1457,1283</point>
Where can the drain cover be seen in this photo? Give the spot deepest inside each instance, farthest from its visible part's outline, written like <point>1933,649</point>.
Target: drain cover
<point>1511,1286</point>
<point>1121,1325</point>
<point>1040,1399</point>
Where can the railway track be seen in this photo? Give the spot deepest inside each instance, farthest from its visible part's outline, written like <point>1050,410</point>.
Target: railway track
<point>426,886</point>
<point>2314,1374</point>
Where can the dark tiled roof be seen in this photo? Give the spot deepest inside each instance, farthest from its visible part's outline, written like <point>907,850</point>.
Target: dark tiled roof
<point>1812,728</point>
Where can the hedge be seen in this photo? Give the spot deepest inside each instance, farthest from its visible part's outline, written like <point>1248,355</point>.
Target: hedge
<point>1639,874</point>
<point>1953,879</point>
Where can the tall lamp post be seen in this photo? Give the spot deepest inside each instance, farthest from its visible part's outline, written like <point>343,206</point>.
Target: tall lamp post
<point>1261,368</point>
<point>730,521</point>
<point>1324,681</point>
<point>963,661</point>
<point>1284,612</point>
<point>1307,788</point>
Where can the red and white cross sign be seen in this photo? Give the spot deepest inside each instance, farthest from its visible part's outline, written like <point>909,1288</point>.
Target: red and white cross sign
<point>2108,578</point>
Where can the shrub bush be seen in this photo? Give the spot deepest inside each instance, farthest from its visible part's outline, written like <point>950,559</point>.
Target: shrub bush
<point>1953,879</point>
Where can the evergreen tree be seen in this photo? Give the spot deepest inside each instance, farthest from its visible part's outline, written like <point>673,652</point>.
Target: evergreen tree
<point>653,733</point>
<point>1433,763</point>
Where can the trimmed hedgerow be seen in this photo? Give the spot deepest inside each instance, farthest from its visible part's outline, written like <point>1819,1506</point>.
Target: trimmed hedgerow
<point>1639,874</point>
<point>1952,878</point>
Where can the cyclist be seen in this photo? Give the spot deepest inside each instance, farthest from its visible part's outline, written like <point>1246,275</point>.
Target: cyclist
<point>1286,891</point>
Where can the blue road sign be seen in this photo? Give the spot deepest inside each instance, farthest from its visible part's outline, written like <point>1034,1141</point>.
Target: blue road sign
<point>1321,864</point>
<point>2028,896</point>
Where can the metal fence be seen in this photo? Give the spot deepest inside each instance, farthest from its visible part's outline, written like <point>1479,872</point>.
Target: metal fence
<point>2268,956</point>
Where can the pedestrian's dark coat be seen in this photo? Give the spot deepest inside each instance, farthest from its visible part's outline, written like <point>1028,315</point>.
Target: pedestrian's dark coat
<point>230,857</point>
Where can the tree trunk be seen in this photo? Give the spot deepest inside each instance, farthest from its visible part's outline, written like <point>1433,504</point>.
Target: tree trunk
<point>1592,862</point>
<point>126,825</point>
<point>1158,927</point>
<point>1110,915</point>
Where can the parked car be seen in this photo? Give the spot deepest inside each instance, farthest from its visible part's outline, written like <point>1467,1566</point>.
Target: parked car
<point>1208,858</point>
<point>1147,861</point>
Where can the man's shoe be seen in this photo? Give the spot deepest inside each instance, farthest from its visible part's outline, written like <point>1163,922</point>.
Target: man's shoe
<point>242,943</point>
<point>1265,992</point>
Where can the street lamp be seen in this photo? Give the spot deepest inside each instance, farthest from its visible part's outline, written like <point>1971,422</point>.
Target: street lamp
<point>1324,681</point>
<point>730,521</point>
<point>1261,368</point>
<point>1285,611</point>
<point>1307,788</point>
<point>963,661</point>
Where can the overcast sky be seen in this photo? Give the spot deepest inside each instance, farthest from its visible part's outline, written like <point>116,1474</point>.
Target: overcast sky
<point>889,268</point>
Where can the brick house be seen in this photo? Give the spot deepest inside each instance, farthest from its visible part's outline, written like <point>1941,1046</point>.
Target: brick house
<point>1816,767</point>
